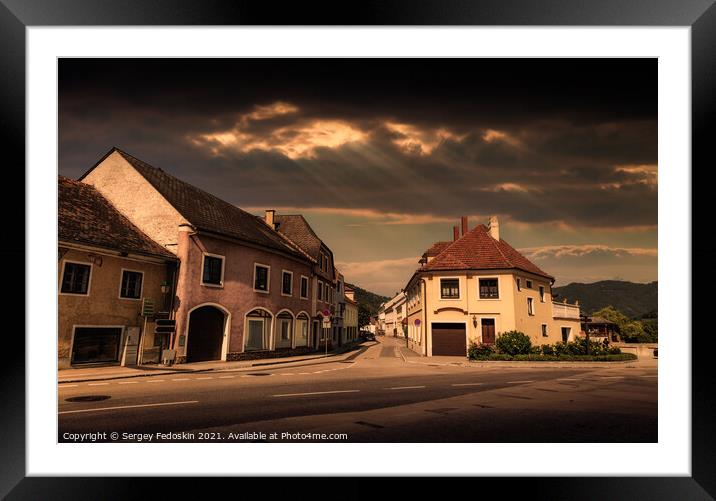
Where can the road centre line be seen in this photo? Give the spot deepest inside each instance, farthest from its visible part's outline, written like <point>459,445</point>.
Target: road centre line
<point>516,382</point>
<point>129,407</point>
<point>467,384</point>
<point>181,379</point>
<point>156,381</point>
<point>202,378</point>
<point>226,377</point>
<point>97,384</point>
<point>406,387</point>
<point>67,385</point>
<point>569,379</point>
<point>127,382</point>
<point>315,393</point>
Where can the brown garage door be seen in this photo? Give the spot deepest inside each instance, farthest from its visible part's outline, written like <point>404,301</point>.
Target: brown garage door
<point>449,339</point>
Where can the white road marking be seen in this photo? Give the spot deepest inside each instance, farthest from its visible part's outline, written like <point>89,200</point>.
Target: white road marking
<point>67,385</point>
<point>226,377</point>
<point>516,382</point>
<point>406,387</point>
<point>181,379</point>
<point>569,379</point>
<point>97,384</point>
<point>128,382</point>
<point>202,378</point>
<point>467,384</point>
<point>129,407</point>
<point>316,393</point>
<point>287,374</point>
<point>156,381</point>
<point>612,377</point>
<point>303,373</point>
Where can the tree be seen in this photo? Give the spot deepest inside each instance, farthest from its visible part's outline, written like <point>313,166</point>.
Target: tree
<point>631,331</point>
<point>363,316</point>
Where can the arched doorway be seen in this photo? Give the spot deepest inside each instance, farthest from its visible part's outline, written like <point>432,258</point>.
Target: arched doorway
<point>207,325</point>
<point>302,328</point>
<point>257,330</point>
<point>284,330</point>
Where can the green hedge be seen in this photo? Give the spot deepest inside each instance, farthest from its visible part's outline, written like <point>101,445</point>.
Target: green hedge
<point>621,357</point>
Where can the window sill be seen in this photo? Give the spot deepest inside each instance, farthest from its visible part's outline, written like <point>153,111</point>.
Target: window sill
<point>286,295</point>
<point>262,292</point>
<point>213,286</point>
<point>131,298</point>
<point>77,294</point>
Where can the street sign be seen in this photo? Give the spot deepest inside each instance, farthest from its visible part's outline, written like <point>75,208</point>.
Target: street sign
<point>326,313</point>
<point>165,326</point>
<point>147,307</point>
<point>417,321</point>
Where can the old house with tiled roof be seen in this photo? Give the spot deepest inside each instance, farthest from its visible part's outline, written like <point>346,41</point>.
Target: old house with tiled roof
<point>476,287</point>
<point>107,267</point>
<point>324,277</point>
<point>243,288</point>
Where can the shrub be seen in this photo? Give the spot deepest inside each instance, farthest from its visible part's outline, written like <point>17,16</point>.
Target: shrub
<point>536,350</point>
<point>479,351</point>
<point>547,349</point>
<point>513,343</point>
<point>614,350</point>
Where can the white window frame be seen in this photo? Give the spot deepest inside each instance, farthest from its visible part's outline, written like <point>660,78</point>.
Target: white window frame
<point>141,289</point>
<point>300,287</point>
<point>89,279</point>
<point>204,255</point>
<point>440,289</point>
<point>268,279</point>
<point>290,273</point>
<point>488,298</point>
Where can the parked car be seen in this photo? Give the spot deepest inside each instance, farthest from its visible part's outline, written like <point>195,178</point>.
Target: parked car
<point>367,336</point>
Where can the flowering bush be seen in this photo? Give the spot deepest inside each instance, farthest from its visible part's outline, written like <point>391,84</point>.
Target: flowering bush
<point>476,351</point>
<point>513,343</point>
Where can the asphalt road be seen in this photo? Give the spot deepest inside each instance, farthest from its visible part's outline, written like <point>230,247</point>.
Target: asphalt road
<point>379,396</point>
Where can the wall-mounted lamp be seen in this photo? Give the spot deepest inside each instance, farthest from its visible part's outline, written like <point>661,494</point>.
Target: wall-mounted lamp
<point>474,320</point>
<point>165,287</point>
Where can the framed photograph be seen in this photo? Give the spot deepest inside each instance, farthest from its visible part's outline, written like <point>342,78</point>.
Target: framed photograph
<point>279,236</point>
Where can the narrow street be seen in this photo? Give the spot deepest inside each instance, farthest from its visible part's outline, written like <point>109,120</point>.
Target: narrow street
<point>382,395</point>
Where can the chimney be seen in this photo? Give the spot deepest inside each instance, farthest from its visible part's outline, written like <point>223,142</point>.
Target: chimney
<point>455,233</point>
<point>494,227</point>
<point>268,218</point>
<point>463,220</point>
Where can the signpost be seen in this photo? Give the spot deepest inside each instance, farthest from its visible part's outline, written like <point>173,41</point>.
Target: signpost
<point>326,325</point>
<point>163,327</point>
<point>147,311</point>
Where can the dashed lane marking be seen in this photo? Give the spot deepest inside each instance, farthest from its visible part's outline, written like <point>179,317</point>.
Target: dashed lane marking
<point>128,382</point>
<point>316,393</point>
<point>98,409</point>
<point>518,382</point>
<point>156,381</point>
<point>226,377</point>
<point>181,379</point>
<point>97,384</point>
<point>67,385</point>
<point>468,384</point>
<point>202,378</point>
<point>406,387</point>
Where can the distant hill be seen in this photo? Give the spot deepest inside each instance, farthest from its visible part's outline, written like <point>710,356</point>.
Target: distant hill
<point>369,300</point>
<point>634,300</point>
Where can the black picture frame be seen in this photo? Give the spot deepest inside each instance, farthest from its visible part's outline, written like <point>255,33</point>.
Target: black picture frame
<point>700,15</point>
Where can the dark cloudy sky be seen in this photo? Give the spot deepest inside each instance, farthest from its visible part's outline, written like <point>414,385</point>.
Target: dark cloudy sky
<point>384,155</point>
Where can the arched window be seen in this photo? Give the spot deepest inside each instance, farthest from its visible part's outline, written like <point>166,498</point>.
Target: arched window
<point>284,330</point>
<point>258,328</point>
<point>302,330</point>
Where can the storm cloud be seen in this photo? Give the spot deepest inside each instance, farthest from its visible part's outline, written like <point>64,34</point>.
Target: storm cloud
<point>571,143</point>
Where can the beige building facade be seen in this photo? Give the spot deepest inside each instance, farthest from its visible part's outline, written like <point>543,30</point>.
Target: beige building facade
<point>476,287</point>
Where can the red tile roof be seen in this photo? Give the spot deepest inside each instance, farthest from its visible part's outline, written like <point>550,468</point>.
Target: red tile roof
<point>86,217</point>
<point>210,213</point>
<point>436,248</point>
<point>477,250</point>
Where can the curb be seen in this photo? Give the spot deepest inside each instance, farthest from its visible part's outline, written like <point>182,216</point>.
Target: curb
<point>319,361</point>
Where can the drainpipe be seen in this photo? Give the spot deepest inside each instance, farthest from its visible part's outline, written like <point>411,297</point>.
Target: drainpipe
<point>425,316</point>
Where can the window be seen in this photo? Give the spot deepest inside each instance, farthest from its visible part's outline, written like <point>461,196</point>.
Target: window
<point>304,287</point>
<point>544,330</point>
<point>528,283</point>
<point>75,278</point>
<point>541,293</point>
<point>519,285</point>
<point>488,288</point>
<point>131,286</point>
<point>213,270</point>
<point>449,288</point>
<point>530,308</point>
<point>261,278</point>
<point>287,283</point>
<point>320,291</point>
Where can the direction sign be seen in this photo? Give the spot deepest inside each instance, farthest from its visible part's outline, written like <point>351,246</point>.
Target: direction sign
<point>164,326</point>
<point>147,307</point>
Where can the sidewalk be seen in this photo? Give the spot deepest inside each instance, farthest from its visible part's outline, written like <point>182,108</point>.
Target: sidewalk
<point>117,372</point>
